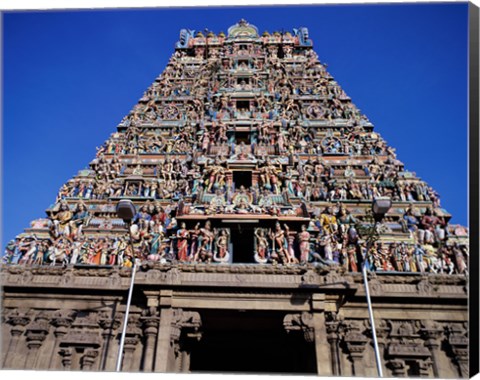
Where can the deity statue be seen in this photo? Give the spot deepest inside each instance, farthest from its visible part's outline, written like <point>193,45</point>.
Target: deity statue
<point>279,244</point>
<point>156,251</point>
<point>221,246</point>
<point>269,176</point>
<point>261,246</point>
<point>292,259</point>
<point>304,244</point>
<point>328,221</point>
<point>79,220</point>
<point>205,243</point>
<point>61,220</point>
<point>167,169</point>
<point>410,220</point>
<point>216,175</point>
<point>182,242</point>
<point>326,242</point>
<point>242,201</point>
<point>194,241</point>
<point>217,203</point>
<point>459,252</point>
<point>419,254</point>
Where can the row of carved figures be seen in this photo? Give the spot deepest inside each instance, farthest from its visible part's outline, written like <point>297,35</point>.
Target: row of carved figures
<point>160,239</point>
<point>292,140</point>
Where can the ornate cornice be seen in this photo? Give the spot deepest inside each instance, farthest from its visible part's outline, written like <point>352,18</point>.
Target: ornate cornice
<point>237,276</point>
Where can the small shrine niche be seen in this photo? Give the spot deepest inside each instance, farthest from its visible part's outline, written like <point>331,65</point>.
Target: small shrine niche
<point>242,178</point>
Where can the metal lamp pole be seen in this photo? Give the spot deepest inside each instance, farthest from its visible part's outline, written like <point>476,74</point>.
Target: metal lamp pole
<point>370,310</point>
<point>380,207</point>
<point>125,321</point>
<point>126,210</point>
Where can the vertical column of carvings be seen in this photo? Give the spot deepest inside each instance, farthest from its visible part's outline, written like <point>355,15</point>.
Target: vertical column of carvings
<point>150,323</point>
<point>398,367</point>
<point>36,333</point>
<point>66,355</point>
<point>424,368</point>
<point>355,342</point>
<point>164,332</point>
<point>332,324</point>
<point>109,328</point>
<point>132,338</point>
<point>88,359</point>
<point>18,321</point>
<point>382,335</point>
<point>407,352</point>
<point>381,330</point>
<point>458,342</point>
<point>186,327</point>
<point>61,320</point>
<point>432,332</point>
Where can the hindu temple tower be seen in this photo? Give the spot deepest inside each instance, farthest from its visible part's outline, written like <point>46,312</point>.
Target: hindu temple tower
<point>252,174</point>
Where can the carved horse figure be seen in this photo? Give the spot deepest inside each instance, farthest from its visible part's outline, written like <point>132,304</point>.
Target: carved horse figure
<point>56,254</point>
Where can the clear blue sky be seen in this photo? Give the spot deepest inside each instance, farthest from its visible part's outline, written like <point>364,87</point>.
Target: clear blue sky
<point>70,77</point>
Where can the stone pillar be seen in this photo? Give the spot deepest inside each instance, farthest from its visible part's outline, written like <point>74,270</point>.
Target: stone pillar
<point>66,355</point>
<point>424,368</point>
<point>36,334</point>
<point>355,342</point>
<point>62,320</point>
<point>356,354</point>
<point>132,338</point>
<point>185,362</point>
<point>333,339</point>
<point>18,322</point>
<point>312,325</point>
<point>131,341</point>
<point>398,368</point>
<point>150,331</point>
<point>175,353</point>
<point>88,359</point>
<point>165,330</point>
<point>459,344</point>
<point>322,349</point>
<point>109,327</point>
<point>185,328</point>
<point>382,334</point>
<point>431,332</point>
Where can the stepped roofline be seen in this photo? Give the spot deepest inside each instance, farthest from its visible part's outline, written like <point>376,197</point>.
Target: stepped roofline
<point>243,30</point>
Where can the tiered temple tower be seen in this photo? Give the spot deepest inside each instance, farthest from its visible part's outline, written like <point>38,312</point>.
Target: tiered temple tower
<point>253,176</point>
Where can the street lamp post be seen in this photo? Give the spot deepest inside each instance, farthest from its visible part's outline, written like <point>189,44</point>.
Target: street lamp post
<point>380,207</point>
<point>126,211</point>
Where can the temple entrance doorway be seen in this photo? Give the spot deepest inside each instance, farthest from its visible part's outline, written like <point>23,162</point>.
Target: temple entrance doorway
<point>242,240</point>
<point>250,342</point>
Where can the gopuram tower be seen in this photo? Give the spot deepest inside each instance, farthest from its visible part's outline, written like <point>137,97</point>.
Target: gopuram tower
<point>252,174</point>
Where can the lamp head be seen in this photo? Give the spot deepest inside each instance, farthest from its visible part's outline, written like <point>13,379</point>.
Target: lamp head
<point>126,210</point>
<point>380,207</point>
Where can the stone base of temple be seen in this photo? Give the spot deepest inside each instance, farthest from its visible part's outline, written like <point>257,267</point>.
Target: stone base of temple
<point>235,318</point>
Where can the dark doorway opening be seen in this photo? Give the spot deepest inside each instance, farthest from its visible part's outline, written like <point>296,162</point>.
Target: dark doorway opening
<point>243,104</point>
<point>242,178</point>
<point>250,342</point>
<point>242,239</point>
<point>242,137</point>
